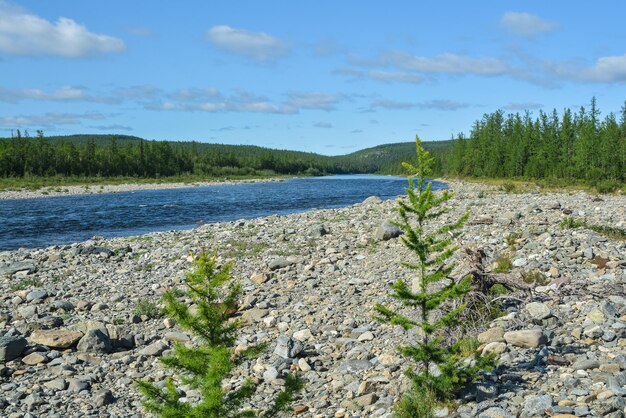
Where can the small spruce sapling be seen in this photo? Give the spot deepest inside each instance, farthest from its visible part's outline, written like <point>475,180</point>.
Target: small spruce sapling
<point>443,367</point>
<point>206,366</point>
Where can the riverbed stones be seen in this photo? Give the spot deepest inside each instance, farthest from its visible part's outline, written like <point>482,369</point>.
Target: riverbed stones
<point>328,287</point>
<point>56,338</point>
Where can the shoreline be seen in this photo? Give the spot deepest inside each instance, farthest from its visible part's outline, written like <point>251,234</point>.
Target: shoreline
<point>77,190</point>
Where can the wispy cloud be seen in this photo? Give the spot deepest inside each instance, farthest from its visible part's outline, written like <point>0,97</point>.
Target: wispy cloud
<point>517,106</point>
<point>113,127</point>
<point>526,24</point>
<point>63,94</point>
<point>49,119</point>
<point>324,125</point>
<point>321,101</point>
<point>255,45</point>
<point>22,33</point>
<point>430,104</point>
<point>212,100</point>
<point>381,75</point>
<point>447,63</point>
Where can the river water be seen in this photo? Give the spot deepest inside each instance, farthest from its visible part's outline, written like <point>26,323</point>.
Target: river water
<point>62,220</point>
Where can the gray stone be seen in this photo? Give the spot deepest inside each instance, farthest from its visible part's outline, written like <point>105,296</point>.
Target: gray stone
<point>28,311</point>
<point>538,310</point>
<point>56,384</point>
<point>585,364</point>
<point>11,348</point>
<point>78,385</point>
<point>520,262</point>
<point>354,365</point>
<point>103,397</point>
<point>537,405</point>
<point>484,391</point>
<point>387,231</point>
<point>95,341</point>
<point>279,263</point>
<point>36,294</point>
<point>318,231</point>
<point>270,374</point>
<point>528,338</point>
<point>155,349</point>
<point>16,267</point>
<point>288,347</point>
<point>372,200</point>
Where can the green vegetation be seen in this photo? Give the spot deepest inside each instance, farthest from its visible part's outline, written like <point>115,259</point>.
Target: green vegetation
<point>39,162</point>
<point>579,146</point>
<point>503,264</point>
<point>205,367</point>
<point>608,231</point>
<point>145,307</point>
<point>25,284</point>
<point>534,277</point>
<point>433,251</point>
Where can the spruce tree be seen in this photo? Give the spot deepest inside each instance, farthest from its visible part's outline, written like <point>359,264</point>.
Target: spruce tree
<point>205,367</point>
<point>442,366</point>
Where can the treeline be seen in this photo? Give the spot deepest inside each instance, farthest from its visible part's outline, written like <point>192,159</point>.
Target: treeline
<point>111,156</point>
<point>130,156</point>
<point>569,145</point>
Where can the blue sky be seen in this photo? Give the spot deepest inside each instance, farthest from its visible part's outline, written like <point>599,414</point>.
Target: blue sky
<point>324,76</point>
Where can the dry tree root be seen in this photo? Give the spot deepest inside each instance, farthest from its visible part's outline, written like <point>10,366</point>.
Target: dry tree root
<point>483,280</point>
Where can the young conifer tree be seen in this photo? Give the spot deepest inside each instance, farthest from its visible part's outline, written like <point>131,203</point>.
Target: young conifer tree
<point>204,367</point>
<point>443,369</point>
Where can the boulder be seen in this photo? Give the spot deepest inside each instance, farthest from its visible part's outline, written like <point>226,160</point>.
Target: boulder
<point>56,338</point>
<point>288,347</point>
<point>387,231</point>
<point>527,338</point>
<point>95,341</point>
<point>11,348</point>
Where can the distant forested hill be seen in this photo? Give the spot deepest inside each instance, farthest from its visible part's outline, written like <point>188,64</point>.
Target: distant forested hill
<point>131,156</point>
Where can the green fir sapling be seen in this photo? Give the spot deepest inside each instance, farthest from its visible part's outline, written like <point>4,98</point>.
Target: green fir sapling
<point>205,367</point>
<point>442,367</point>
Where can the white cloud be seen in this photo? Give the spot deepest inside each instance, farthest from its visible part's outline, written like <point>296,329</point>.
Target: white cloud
<point>526,24</point>
<point>26,34</point>
<point>610,69</point>
<point>324,125</point>
<point>392,104</point>
<point>447,64</point>
<point>65,93</point>
<point>443,105</point>
<point>517,106</point>
<point>430,104</point>
<point>256,45</point>
<point>321,101</point>
<point>114,127</point>
<point>48,119</point>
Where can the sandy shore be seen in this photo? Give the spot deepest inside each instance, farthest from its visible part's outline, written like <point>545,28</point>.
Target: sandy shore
<point>54,191</point>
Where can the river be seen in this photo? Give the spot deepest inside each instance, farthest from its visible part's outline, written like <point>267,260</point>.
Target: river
<point>42,222</point>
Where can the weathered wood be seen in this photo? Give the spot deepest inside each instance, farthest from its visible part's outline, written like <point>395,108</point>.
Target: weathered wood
<point>475,259</point>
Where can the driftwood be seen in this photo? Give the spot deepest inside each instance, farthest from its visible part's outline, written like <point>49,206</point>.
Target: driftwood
<point>483,280</point>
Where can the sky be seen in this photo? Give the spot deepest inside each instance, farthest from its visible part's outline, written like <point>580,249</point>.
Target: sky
<point>323,76</point>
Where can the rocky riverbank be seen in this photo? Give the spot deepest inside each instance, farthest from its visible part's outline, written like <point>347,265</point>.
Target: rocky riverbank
<point>54,191</point>
<point>79,326</point>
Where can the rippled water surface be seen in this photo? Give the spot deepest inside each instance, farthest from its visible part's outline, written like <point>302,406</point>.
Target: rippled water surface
<point>62,220</point>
